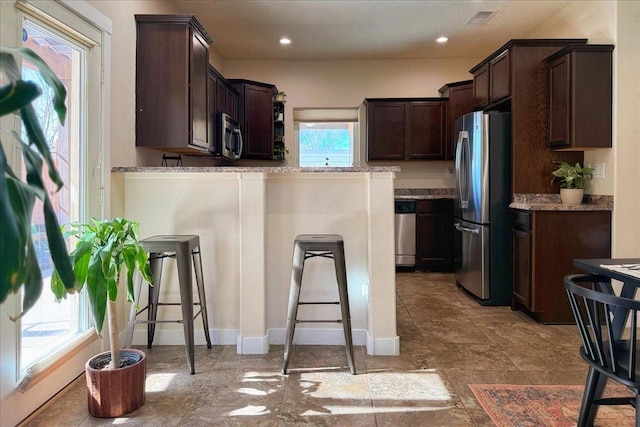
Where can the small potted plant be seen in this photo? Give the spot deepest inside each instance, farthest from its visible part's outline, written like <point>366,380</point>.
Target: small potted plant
<point>279,152</point>
<point>102,249</point>
<point>281,97</point>
<point>572,181</point>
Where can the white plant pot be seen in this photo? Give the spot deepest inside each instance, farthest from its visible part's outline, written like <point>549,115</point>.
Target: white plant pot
<point>571,196</point>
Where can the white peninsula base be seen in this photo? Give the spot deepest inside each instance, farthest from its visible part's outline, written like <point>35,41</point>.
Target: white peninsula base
<point>247,220</point>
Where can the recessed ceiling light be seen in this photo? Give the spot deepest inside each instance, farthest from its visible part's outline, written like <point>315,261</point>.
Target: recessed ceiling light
<point>442,39</point>
<point>285,40</point>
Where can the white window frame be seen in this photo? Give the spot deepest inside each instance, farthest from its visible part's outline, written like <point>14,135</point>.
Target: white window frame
<point>81,21</point>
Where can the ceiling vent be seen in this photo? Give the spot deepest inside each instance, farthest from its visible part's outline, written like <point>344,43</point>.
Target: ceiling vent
<point>481,17</point>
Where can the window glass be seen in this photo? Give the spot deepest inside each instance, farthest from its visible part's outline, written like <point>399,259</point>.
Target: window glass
<point>48,326</point>
<point>326,144</point>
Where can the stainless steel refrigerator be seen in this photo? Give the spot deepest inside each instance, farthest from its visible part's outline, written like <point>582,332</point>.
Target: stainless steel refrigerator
<point>482,244</point>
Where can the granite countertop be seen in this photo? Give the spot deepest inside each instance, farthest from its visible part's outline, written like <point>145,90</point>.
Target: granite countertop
<point>240,169</point>
<point>423,193</point>
<point>551,202</point>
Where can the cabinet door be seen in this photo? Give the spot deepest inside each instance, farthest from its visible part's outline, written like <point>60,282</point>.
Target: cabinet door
<point>522,268</point>
<point>221,96</point>
<point>499,77</point>
<point>427,130</point>
<point>434,235</point>
<point>386,130</point>
<point>212,92</point>
<point>258,122</point>
<point>231,104</point>
<point>460,103</point>
<point>162,116</point>
<point>481,87</point>
<point>198,91</point>
<point>559,106</point>
<point>580,100</point>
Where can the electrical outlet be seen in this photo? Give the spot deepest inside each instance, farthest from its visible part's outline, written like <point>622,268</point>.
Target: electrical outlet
<point>598,170</point>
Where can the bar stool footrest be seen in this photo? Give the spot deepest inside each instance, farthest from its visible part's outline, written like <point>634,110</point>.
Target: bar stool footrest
<point>167,321</point>
<point>319,321</point>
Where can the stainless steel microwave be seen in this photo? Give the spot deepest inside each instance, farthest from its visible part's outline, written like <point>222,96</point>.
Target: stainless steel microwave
<point>228,140</point>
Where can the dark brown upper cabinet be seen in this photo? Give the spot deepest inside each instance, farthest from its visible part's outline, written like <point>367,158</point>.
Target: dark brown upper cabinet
<point>516,79</point>
<point>500,77</point>
<point>460,95</point>
<point>386,130</point>
<point>481,86</point>
<point>223,96</point>
<point>580,97</point>
<point>406,128</point>
<point>255,116</point>
<point>172,90</point>
<point>494,77</point>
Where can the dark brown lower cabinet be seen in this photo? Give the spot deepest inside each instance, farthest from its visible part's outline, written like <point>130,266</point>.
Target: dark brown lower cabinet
<point>545,243</point>
<point>434,235</point>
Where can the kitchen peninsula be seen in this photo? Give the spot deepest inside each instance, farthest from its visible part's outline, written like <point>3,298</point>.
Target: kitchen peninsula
<point>247,219</point>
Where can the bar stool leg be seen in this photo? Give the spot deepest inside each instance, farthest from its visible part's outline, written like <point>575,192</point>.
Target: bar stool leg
<point>186,302</point>
<point>155,262</point>
<point>341,276</point>
<point>197,266</point>
<point>294,296</point>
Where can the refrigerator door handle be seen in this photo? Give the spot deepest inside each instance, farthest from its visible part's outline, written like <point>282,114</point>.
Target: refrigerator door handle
<point>466,229</point>
<point>462,168</point>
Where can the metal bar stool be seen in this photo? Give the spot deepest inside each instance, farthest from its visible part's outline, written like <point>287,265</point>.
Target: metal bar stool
<point>309,246</point>
<point>180,247</point>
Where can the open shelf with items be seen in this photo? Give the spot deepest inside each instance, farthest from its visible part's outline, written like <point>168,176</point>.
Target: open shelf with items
<point>279,149</point>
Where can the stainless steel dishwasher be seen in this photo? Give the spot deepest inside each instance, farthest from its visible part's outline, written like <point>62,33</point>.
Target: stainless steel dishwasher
<point>405,226</point>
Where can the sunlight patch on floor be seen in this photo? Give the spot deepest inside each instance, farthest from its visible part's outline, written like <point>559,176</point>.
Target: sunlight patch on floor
<point>423,385</point>
<point>158,382</point>
<point>250,411</point>
<point>255,392</point>
<point>261,377</point>
<point>360,410</point>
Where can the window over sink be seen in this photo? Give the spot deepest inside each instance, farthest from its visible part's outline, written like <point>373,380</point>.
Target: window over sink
<point>325,137</point>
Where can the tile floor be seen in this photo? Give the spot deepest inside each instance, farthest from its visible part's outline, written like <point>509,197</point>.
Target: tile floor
<point>447,341</point>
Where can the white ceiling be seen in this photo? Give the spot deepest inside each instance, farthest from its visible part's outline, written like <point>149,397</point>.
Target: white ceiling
<point>364,29</point>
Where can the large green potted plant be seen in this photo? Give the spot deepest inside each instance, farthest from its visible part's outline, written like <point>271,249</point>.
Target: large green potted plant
<point>115,379</point>
<point>572,181</point>
<point>19,269</point>
<point>114,242</point>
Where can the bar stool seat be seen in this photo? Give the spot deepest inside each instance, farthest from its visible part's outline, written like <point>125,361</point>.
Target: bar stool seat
<point>309,246</point>
<point>180,247</point>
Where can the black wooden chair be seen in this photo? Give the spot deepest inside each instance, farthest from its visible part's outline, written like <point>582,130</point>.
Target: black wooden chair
<point>607,351</point>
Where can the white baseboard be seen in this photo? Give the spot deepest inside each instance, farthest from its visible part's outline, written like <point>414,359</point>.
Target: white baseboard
<point>176,337</point>
<point>252,345</point>
<point>316,336</point>
<point>383,346</point>
<point>260,345</point>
